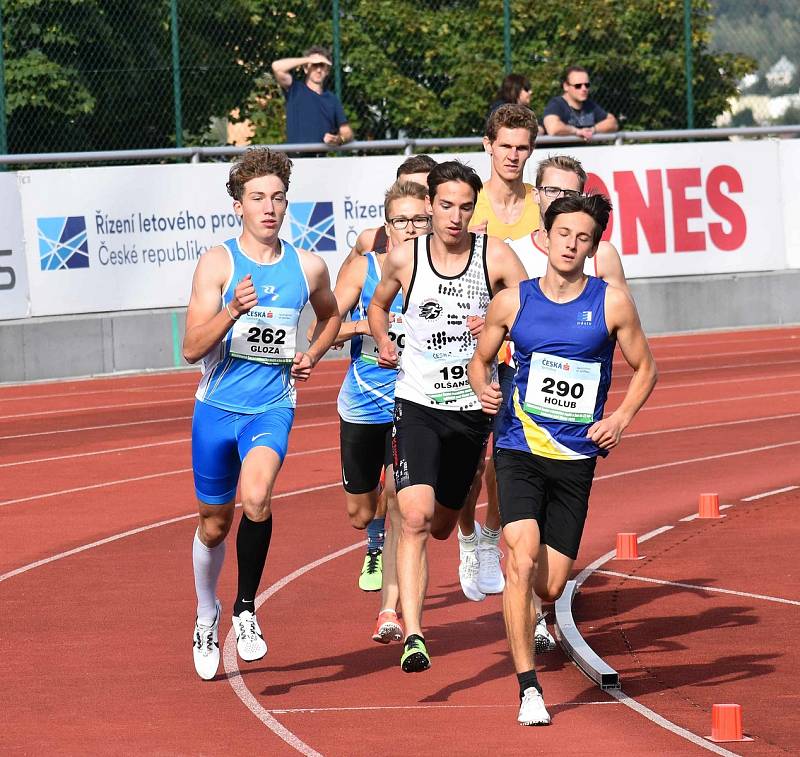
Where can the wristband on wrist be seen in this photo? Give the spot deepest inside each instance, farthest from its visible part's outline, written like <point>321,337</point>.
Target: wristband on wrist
<point>230,313</point>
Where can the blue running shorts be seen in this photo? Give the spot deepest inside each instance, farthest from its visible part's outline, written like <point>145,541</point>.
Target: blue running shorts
<point>221,439</point>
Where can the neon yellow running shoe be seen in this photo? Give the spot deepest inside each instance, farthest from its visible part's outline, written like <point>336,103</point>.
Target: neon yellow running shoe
<point>371,578</point>
<point>415,657</point>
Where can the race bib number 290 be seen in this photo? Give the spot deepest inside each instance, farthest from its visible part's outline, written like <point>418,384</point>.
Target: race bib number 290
<point>265,335</point>
<point>561,389</point>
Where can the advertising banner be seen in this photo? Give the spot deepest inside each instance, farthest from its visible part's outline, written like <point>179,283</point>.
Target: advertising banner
<point>121,238</point>
<point>13,275</point>
<point>790,199</point>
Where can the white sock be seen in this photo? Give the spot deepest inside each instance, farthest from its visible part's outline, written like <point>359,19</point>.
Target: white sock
<point>489,535</point>
<point>468,542</point>
<point>207,563</point>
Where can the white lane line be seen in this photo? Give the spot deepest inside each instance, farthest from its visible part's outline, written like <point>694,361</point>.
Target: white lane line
<point>668,725</point>
<point>184,440</point>
<point>33,461</point>
<point>720,424</point>
<point>718,400</point>
<point>770,493</point>
<point>97,428</point>
<point>703,459</point>
<point>377,708</point>
<point>89,487</point>
<point>92,408</point>
<point>139,423</point>
<point>142,529</point>
<point>700,587</point>
<point>705,356</point>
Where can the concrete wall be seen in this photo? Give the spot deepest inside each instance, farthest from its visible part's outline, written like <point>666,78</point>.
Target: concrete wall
<point>60,347</point>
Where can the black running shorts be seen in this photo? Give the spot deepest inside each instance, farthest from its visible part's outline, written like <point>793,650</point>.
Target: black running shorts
<point>553,492</point>
<point>440,448</point>
<point>366,448</point>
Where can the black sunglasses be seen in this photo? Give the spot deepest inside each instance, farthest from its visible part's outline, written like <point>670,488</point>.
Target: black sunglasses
<point>580,85</point>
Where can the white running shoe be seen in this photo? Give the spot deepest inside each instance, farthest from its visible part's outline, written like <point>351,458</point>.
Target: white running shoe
<point>490,574</point>
<point>542,639</point>
<point>468,570</point>
<point>205,648</point>
<point>532,710</point>
<point>250,643</point>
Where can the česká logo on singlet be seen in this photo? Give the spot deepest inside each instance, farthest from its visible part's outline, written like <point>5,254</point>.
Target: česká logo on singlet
<point>430,310</point>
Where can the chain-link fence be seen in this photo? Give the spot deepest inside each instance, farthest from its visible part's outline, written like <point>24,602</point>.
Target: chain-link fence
<point>107,74</point>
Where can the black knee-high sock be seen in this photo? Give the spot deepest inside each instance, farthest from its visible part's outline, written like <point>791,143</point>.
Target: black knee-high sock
<point>252,545</point>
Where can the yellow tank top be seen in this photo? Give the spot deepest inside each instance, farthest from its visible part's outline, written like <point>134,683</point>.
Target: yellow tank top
<point>508,232</point>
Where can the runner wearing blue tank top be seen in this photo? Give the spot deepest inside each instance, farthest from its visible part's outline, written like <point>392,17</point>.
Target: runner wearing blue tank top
<point>439,433</point>
<point>246,299</point>
<point>565,327</point>
<point>366,402</point>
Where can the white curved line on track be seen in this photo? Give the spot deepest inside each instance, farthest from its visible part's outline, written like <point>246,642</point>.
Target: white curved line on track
<point>229,656</point>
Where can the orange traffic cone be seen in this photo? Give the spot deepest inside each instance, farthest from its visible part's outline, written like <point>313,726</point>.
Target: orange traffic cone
<point>726,723</point>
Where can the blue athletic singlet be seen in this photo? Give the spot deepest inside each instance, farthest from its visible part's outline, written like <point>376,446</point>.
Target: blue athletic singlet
<point>367,393</point>
<point>248,372</point>
<point>563,353</point>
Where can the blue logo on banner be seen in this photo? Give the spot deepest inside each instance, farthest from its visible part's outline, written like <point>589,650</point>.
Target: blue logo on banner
<point>312,226</point>
<point>62,243</point>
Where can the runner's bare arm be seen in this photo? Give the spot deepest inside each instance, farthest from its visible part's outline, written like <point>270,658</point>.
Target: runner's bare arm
<point>499,318</point>
<point>609,266</point>
<point>365,242</point>
<point>623,321</point>
<point>395,273</point>
<point>326,311</point>
<point>207,321</point>
<point>347,291</point>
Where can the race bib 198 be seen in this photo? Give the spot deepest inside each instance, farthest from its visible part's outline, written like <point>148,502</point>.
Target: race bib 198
<point>397,333</point>
<point>445,379</point>
<point>265,335</point>
<point>561,389</point>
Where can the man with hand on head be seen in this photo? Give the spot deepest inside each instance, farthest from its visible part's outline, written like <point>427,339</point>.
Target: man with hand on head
<point>565,327</point>
<point>313,114</point>
<point>242,318</point>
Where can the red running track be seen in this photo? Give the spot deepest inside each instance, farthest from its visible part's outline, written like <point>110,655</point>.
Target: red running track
<point>97,513</point>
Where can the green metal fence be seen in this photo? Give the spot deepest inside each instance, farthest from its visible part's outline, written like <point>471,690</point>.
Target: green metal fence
<point>114,74</point>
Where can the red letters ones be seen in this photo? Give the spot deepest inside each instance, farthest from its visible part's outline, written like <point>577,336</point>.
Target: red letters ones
<point>644,207</point>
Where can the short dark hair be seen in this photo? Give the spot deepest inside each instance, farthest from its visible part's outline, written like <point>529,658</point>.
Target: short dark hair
<point>319,49</point>
<point>512,85</point>
<point>256,162</point>
<point>597,206</point>
<point>453,170</point>
<point>416,164</point>
<point>563,163</point>
<point>511,116</point>
<point>572,70</point>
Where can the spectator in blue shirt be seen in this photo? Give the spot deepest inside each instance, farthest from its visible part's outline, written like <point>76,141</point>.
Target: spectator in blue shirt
<point>313,114</point>
<point>573,113</point>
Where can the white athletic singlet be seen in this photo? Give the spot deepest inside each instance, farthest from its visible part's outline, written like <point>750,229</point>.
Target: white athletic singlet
<point>433,370</point>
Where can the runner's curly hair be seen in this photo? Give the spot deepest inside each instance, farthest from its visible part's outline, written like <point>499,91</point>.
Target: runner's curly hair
<point>256,162</point>
<point>511,116</point>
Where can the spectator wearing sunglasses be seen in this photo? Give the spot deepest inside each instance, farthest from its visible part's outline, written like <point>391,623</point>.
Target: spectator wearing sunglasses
<point>313,114</point>
<point>573,113</point>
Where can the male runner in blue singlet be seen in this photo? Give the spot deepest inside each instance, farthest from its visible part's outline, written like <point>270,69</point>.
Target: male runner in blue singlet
<point>366,399</point>
<point>565,326</point>
<point>246,299</point>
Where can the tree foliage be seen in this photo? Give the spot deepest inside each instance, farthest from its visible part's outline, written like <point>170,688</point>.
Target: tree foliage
<point>97,74</point>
